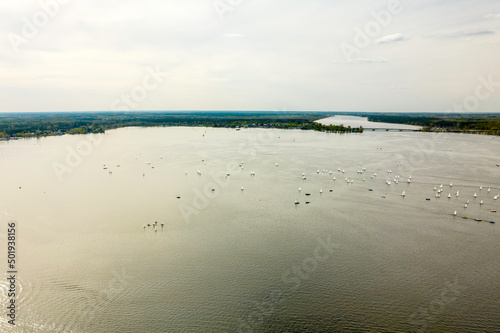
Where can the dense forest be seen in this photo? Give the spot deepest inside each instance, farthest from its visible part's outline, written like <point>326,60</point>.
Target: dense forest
<point>45,124</point>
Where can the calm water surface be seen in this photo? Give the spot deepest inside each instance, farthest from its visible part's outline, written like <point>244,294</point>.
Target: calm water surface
<point>355,121</point>
<point>359,257</point>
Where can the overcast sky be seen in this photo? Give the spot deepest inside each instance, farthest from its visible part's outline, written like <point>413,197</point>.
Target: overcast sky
<point>325,55</point>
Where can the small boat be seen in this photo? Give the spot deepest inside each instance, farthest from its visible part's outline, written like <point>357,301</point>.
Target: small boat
<point>296,202</point>
<point>403,194</point>
<point>465,217</point>
<point>370,189</point>
<point>449,195</point>
<point>308,194</point>
<point>428,199</point>
<point>307,202</point>
<point>477,220</point>
<point>455,213</point>
<point>492,222</point>
<point>493,210</point>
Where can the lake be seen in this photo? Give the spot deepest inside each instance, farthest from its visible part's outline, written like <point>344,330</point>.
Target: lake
<point>243,247</point>
<point>355,121</point>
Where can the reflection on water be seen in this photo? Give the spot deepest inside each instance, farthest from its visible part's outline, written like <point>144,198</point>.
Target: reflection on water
<point>236,253</point>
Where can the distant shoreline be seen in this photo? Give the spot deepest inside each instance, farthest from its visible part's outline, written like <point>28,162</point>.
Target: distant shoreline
<point>28,125</point>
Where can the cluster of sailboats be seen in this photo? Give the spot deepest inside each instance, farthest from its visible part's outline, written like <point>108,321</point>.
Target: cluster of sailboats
<point>154,225</point>
<point>440,190</point>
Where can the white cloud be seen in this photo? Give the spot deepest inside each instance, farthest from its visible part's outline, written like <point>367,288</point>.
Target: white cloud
<point>390,39</point>
<point>368,60</point>
<point>233,35</point>
<point>464,34</point>
<point>492,16</point>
